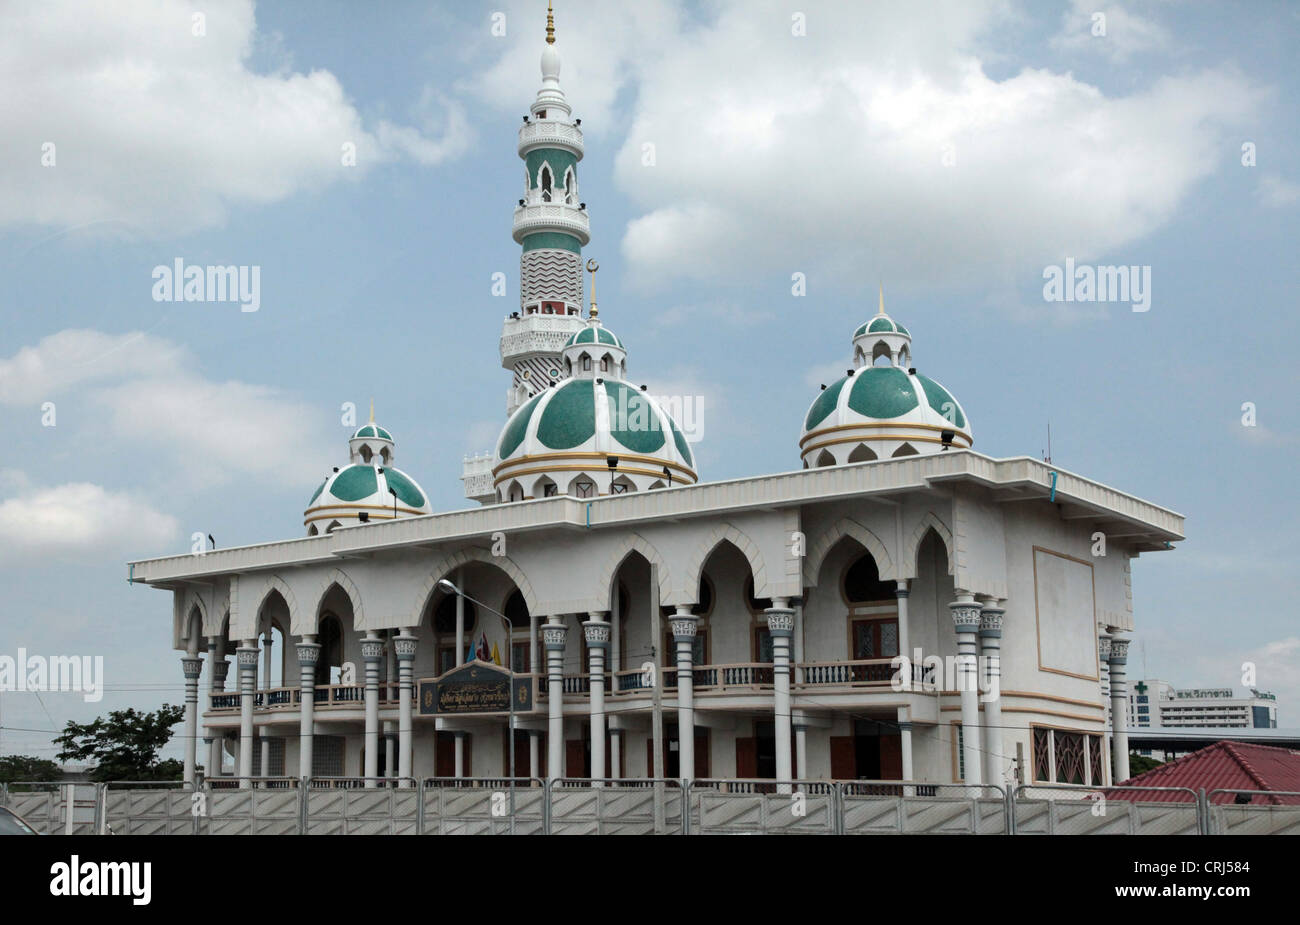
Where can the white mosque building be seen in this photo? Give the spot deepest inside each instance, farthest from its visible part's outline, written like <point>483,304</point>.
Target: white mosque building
<point>753,626</point>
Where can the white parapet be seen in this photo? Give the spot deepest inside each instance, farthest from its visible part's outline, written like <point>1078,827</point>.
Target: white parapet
<point>476,475</point>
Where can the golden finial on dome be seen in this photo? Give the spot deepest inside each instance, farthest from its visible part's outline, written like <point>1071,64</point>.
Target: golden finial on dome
<point>592,267</point>
<point>372,410</point>
<point>550,24</point>
<point>881,310</point>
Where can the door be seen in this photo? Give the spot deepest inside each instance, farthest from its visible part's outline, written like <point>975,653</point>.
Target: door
<point>844,764</point>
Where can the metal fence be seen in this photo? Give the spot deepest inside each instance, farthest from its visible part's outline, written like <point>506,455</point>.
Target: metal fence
<point>569,806</point>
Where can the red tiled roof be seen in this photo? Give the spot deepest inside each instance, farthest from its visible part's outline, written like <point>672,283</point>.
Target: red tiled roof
<point>1223,765</point>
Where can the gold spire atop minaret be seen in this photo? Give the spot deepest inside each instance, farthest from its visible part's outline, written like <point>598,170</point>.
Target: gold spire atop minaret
<point>372,410</point>
<point>881,310</point>
<point>550,24</point>
<point>592,267</point>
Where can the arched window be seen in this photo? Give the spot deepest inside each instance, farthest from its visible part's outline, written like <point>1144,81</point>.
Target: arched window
<point>862,453</point>
<point>905,450</point>
<point>862,582</point>
<point>444,615</point>
<point>825,459</point>
<point>546,183</point>
<point>365,453</point>
<point>570,186</point>
<point>586,363</point>
<point>582,487</point>
<point>604,364</point>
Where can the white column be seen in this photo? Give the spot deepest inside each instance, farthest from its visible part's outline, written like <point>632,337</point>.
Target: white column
<point>991,640</point>
<point>616,753</point>
<point>685,625</point>
<point>1119,707</point>
<point>460,754</point>
<point>372,650</point>
<point>246,659</point>
<point>801,751</point>
<point>902,592</point>
<point>780,624</point>
<point>905,743</point>
<point>615,635</point>
<point>390,751</point>
<point>460,618</point>
<point>404,646</point>
<point>553,634</point>
<point>308,656</point>
<point>265,743</point>
<point>597,632</point>
<point>966,621</point>
<point>192,667</point>
<point>1103,661</point>
<point>216,685</point>
<point>534,754</point>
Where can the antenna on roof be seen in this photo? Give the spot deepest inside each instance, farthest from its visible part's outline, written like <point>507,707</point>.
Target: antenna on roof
<point>1047,454</point>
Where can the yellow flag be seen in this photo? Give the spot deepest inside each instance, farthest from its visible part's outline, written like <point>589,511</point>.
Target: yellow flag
<point>496,656</point>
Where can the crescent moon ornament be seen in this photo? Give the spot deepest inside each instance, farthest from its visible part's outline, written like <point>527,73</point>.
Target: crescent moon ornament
<point>592,265</point>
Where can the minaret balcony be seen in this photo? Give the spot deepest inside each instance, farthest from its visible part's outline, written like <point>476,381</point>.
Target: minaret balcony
<point>550,134</point>
<point>551,216</point>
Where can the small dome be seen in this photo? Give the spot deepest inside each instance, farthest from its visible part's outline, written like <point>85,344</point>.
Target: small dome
<point>372,430</point>
<point>592,334</point>
<point>879,412</point>
<point>359,488</point>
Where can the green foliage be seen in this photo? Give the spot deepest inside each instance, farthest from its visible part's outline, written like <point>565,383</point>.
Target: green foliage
<point>1140,764</point>
<point>125,746</point>
<point>15,768</point>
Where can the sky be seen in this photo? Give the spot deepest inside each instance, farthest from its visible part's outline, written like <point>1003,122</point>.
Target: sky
<point>362,158</point>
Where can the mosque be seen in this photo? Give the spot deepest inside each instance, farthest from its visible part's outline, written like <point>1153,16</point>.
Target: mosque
<point>900,607</point>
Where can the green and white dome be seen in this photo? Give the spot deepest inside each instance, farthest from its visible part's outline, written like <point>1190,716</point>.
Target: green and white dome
<point>560,440</point>
<point>881,411</point>
<point>363,486</point>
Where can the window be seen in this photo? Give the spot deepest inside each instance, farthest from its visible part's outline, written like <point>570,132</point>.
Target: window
<point>619,488</point>
<point>875,638</point>
<point>1065,757</point>
<point>546,184</point>
<point>604,364</point>
<point>699,651</point>
<point>519,658</point>
<point>446,659</point>
<point>549,490</point>
<point>585,489</point>
<point>586,364</point>
<point>762,645</point>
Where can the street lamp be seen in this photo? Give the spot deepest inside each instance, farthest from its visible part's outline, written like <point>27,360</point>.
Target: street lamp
<point>446,585</point>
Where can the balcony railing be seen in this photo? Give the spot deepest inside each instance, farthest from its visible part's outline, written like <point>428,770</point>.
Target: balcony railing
<point>547,133</point>
<point>325,697</point>
<point>873,672</point>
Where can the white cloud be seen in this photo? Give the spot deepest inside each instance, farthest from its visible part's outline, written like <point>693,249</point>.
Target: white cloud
<point>153,395</point>
<point>1123,33</point>
<point>79,517</point>
<point>828,152</point>
<point>165,131</point>
<point>1276,192</point>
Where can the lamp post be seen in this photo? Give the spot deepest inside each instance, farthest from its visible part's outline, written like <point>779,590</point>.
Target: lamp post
<point>509,627</point>
<point>612,462</point>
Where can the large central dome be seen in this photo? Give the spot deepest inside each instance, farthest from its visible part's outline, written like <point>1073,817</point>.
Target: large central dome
<point>882,407</point>
<point>561,440</point>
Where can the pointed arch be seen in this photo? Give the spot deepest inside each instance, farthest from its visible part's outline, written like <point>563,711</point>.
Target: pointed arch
<point>690,589</point>
<point>927,523</point>
<point>905,450</point>
<point>453,561</point>
<point>847,526</point>
<point>339,577</point>
<point>257,590</point>
<point>824,459</point>
<point>614,561</point>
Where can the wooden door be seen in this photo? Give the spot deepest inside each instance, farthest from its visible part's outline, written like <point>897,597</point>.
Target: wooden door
<point>844,762</point>
<point>747,758</point>
<point>891,757</point>
<point>575,758</point>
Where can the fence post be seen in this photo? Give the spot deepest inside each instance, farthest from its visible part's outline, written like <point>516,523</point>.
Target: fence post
<point>546,806</point>
<point>419,808</point>
<point>304,788</point>
<point>686,806</point>
<point>837,807</point>
<point>1009,807</point>
<point>1203,811</point>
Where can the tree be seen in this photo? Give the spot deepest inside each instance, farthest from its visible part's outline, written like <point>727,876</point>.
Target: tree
<point>14,768</point>
<point>1140,764</point>
<point>125,746</point>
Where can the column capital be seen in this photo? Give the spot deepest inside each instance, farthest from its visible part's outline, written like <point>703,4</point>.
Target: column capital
<point>308,654</point>
<point>1103,648</point>
<point>220,668</point>
<point>192,667</point>
<point>553,636</point>
<point>903,587</point>
<point>1118,651</point>
<point>991,621</point>
<point>404,647</point>
<point>372,650</point>
<point>247,656</point>
<point>596,633</point>
<point>684,626</point>
<point>780,621</point>
<point>966,616</point>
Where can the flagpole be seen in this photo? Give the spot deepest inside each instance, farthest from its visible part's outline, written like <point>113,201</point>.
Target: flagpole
<point>508,626</point>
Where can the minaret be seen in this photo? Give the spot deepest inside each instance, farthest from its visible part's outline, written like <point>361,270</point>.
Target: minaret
<point>550,224</point>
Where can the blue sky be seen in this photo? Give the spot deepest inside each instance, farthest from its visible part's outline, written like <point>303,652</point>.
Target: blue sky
<point>952,151</point>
